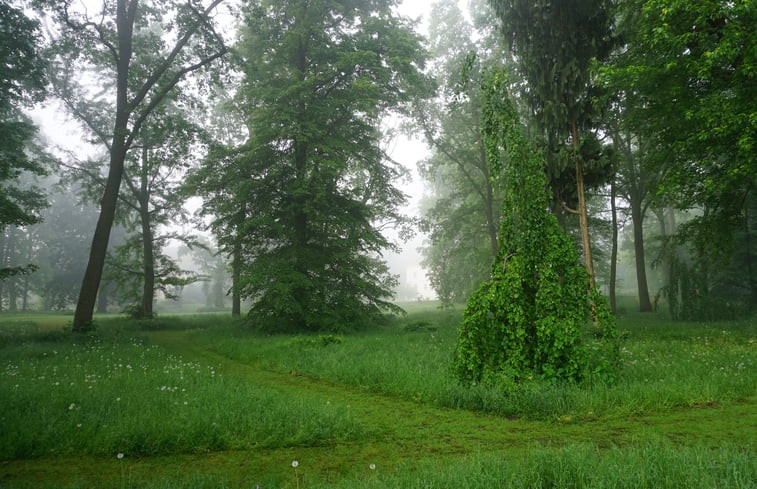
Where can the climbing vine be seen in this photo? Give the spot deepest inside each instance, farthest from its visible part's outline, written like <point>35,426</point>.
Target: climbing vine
<point>533,317</point>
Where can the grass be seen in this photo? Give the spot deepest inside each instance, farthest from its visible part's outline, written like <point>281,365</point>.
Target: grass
<point>115,393</point>
<point>201,401</point>
<point>665,366</point>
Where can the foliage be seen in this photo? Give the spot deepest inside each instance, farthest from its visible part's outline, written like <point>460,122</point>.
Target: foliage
<point>312,184</point>
<point>139,50</point>
<point>687,73</point>
<point>461,214</point>
<point>527,320</point>
<point>22,82</point>
<point>555,44</point>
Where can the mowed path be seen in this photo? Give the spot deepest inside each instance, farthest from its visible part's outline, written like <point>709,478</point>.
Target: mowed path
<point>401,433</point>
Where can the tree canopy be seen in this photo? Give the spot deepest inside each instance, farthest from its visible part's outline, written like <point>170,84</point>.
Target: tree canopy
<point>316,186</point>
<point>22,82</point>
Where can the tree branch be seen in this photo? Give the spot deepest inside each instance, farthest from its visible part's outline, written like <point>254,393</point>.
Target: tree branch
<point>168,62</point>
<point>167,88</point>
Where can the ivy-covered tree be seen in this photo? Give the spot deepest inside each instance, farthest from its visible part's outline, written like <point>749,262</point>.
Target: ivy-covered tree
<point>318,78</point>
<point>529,319</point>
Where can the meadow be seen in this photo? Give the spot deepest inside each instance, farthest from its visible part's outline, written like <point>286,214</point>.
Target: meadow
<point>203,401</point>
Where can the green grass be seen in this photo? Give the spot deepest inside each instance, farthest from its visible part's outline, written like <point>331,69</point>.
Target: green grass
<point>115,393</point>
<point>664,366</point>
<point>202,401</point>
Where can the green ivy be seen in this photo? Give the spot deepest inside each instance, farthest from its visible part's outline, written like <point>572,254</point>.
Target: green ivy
<point>537,316</point>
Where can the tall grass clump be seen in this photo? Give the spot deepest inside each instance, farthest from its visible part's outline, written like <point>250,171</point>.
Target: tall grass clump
<point>101,394</point>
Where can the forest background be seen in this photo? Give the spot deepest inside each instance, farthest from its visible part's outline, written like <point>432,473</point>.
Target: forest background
<point>666,126</point>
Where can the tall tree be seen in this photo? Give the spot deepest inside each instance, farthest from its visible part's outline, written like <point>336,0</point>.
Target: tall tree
<point>219,181</point>
<point>111,41</point>
<point>319,75</point>
<point>462,212</point>
<point>153,175</point>
<point>22,82</point>
<point>555,44</point>
<point>689,68</point>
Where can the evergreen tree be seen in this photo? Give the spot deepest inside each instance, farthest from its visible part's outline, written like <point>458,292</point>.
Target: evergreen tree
<point>555,44</point>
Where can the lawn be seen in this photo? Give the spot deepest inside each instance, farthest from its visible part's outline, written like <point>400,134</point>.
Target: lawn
<point>202,401</point>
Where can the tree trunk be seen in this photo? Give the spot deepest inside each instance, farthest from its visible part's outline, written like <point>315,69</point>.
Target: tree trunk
<point>25,287</point>
<point>614,252</point>
<point>236,275</point>
<point>583,218</point>
<point>93,274</point>
<point>102,298</point>
<point>491,224</point>
<point>667,230</point>
<point>148,290</point>
<point>3,262</point>
<point>638,243</point>
<point>12,281</point>
<point>148,251</point>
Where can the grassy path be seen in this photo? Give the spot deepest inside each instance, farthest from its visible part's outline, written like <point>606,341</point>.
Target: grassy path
<point>401,433</point>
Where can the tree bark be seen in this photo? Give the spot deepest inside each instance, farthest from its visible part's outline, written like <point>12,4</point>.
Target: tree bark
<point>148,255</point>
<point>148,290</point>
<point>11,249</point>
<point>614,252</point>
<point>637,216</point>
<point>102,298</point>
<point>583,218</point>
<point>236,267</point>
<point>491,223</point>
<point>93,274</point>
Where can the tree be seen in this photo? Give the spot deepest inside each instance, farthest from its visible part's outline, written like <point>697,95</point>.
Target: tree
<point>220,181</point>
<point>153,178</point>
<point>526,321</point>
<point>555,44</point>
<point>688,68</point>
<point>462,214</point>
<point>634,183</point>
<point>318,78</point>
<point>111,42</point>
<point>22,82</point>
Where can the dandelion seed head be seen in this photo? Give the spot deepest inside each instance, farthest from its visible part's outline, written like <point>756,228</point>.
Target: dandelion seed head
<point>295,464</point>
<point>120,456</point>
<point>372,466</point>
